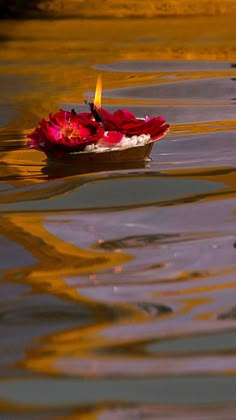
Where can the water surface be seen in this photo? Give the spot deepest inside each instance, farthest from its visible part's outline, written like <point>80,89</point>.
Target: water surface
<point>118,286</point>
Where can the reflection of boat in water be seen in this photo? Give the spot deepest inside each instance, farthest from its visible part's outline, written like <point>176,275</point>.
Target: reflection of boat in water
<point>72,166</point>
<point>76,164</point>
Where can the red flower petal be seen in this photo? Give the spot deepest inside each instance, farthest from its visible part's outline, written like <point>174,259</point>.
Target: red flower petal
<point>164,130</point>
<point>112,137</point>
<point>125,122</point>
<point>153,126</point>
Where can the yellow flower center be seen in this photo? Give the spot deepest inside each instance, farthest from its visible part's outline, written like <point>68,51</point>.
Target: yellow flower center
<point>70,132</point>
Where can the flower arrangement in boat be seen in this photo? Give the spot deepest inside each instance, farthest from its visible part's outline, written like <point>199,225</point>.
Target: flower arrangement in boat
<point>67,132</point>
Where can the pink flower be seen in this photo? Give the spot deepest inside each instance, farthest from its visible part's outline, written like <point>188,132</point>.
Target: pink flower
<point>65,132</point>
<point>125,122</point>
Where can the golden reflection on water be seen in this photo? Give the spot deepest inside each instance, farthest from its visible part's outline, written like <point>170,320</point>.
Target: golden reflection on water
<point>150,272</point>
<point>200,128</point>
<point>39,45</point>
<point>55,257</point>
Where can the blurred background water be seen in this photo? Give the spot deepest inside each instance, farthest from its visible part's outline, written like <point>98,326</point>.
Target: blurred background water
<point>118,287</point>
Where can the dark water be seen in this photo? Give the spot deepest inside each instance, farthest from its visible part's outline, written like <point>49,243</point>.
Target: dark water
<point>118,287</point>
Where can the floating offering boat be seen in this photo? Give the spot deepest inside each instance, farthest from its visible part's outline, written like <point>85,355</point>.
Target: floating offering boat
<point>97,137</point>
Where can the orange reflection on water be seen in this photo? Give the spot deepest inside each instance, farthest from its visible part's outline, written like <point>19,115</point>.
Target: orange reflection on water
<point>56,258</point>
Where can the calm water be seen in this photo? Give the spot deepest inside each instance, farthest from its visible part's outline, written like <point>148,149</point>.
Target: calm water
<point>118,295</point>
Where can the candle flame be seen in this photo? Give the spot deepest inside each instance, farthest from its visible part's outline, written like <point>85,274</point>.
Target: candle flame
<point>98,93</point>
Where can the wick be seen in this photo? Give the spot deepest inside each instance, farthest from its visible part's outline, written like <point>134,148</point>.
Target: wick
<point>94,111</point>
